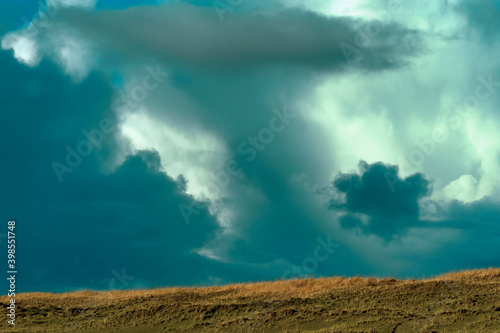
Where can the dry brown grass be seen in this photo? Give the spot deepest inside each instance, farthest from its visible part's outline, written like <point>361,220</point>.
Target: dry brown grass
<point>454,302</point>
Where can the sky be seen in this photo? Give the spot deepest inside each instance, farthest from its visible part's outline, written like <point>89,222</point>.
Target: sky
<point>166,142</point>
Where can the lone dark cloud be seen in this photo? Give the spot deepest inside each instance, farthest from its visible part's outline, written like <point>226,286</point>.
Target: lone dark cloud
<point>389,203</point>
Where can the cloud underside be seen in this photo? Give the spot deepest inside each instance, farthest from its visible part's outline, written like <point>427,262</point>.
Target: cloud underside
<point>290,37</point>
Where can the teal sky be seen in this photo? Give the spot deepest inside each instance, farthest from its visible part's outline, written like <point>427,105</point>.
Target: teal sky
<point>159,143</point>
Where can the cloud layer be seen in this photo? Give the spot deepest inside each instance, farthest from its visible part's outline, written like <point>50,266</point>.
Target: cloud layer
<point>160,144</point>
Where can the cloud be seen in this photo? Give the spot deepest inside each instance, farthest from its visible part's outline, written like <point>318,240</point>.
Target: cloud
<point>389,203</point>
<point>482,18</point>
<point>72,3</point>
<point>106,214</point>
<point>416,232</point>
<point>291,37</point>
<point>24,47</point>
<point>405,217</point>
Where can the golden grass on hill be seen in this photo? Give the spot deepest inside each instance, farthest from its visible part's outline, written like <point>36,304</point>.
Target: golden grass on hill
<point>467,301</point>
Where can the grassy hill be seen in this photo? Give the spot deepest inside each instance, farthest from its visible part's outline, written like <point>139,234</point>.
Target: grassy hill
<point>467,301</point>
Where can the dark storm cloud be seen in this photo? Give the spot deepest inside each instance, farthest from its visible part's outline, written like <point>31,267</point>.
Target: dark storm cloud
<point>370,205</point>
<point>477,214</point>
<point>390,210</point>
<point>476,226</point>
<point>467,232</point>
<point>187,35</point>
<point>77,233</point>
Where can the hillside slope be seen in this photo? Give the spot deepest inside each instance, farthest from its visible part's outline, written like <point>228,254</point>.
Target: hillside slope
<point>468,301</point>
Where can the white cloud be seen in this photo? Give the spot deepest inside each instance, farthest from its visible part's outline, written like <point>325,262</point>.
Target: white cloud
<point>464,189</point>
<point>191,152</point>
<point>74,55</point>
<point>70,51</point>
<point>485,139</point>
<point>24,46</point>
<point>357,132</point>
<point>72,3</point>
